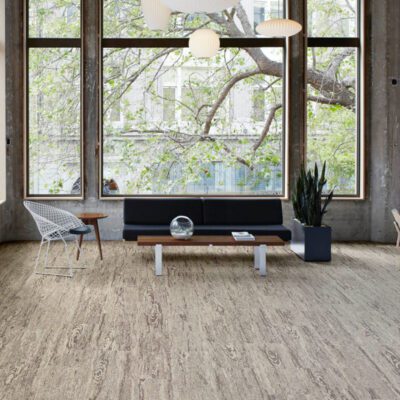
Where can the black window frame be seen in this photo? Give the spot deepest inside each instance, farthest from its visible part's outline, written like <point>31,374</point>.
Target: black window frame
<point>358,43</point>
<point>51,43</point>
<point>225,42</point>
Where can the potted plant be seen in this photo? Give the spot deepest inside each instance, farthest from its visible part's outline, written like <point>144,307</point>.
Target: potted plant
<point>310,239</point>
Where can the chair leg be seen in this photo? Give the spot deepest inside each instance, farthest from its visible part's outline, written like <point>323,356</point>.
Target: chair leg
<point>80,252</point>
<point>69,266</point>
<point>69,257</point>
<point>46,267</point>
<point>38,256</point>
<point>398,233</point>
<point>47,254</point>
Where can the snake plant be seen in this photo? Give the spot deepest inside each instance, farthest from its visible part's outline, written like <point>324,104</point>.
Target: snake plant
<point>307,197</point>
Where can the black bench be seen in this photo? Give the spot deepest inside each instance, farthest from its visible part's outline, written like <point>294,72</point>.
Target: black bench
<point>211,216</point>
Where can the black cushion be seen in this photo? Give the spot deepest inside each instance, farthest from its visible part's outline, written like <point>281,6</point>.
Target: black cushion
<point>148,211</point>
<point>242,212</point>
<point>80,230</point>
<point>131,232</point>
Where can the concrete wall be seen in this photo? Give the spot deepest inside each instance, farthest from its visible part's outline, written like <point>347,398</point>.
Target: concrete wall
<point>384,150</point>
<point>351,220</point>
<point>2,117</point>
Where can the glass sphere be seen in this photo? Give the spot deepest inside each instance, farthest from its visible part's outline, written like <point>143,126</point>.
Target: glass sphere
<point>181,227</point>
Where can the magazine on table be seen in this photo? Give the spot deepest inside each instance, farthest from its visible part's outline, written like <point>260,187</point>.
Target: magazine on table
<point>243,236</point>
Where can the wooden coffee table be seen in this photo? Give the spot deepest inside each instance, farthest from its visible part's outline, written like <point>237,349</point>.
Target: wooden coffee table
<point>260,246</point>
<point>91,219</point>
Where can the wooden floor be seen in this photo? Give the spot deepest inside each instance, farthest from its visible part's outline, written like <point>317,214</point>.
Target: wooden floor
<point>211,328</point>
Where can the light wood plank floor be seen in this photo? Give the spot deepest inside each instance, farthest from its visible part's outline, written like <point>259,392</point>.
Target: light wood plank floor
<point>211,328</point>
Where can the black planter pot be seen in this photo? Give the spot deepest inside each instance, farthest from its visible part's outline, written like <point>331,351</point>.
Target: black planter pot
<point>311,243</point>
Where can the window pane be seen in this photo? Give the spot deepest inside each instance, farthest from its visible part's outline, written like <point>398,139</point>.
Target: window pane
<point>168,104</point>
<point>332,115</point>
<point>123,18</point>
<point>54,121</point>
<point>190,125</point>
<point>54,19</point>
<point>259,104</point>
<point>332,18</point>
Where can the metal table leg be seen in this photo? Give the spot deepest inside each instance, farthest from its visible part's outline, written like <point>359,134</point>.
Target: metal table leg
<point>158,259</point>
<point>262,254</point>
<point>256,258</point>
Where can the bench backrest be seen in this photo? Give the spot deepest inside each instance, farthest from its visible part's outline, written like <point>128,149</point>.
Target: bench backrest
<point>151,211</point>
<point>242,211</point>
<point>203,211</point>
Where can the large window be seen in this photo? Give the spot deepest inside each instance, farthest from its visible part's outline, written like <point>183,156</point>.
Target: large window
<point>187,125</point>
<point>333,101</point>
<point>54,143</point>
<point>171,124</point>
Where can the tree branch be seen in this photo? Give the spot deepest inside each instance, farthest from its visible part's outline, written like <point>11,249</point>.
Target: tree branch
<point>229,151</point>
<point>232,82</point>
<point>350,6</point>
<point>267,126</point>
<point>324,100</point>
<point>337,61</point>
<point>317,79</point>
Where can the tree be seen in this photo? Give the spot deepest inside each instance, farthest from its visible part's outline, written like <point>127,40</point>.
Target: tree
<point>148,151</point>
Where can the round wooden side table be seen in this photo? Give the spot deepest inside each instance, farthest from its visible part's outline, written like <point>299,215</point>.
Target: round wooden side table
<point>91,219</point>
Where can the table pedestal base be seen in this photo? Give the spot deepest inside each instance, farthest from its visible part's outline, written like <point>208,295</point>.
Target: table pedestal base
<point>260,259</point>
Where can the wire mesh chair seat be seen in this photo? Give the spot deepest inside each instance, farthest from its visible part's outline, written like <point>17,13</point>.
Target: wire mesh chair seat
<point>55,224</point>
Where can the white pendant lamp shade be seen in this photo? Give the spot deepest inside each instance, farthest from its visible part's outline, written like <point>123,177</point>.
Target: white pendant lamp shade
<point>204,43</point>
<point>278,28</point>
<point>156,14</point>
<point>193,6</point>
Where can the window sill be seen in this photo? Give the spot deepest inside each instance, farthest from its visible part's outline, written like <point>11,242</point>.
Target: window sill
<point>55,198</point>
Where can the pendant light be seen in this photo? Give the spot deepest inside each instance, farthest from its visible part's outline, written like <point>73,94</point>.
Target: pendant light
<point>204,43</point>
<point>194,6</point>
<point>278,28</point>
<point>156,14</point>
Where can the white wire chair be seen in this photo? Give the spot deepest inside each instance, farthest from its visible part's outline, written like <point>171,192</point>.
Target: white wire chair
<point>396,223</point>
<point>56,224</point>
